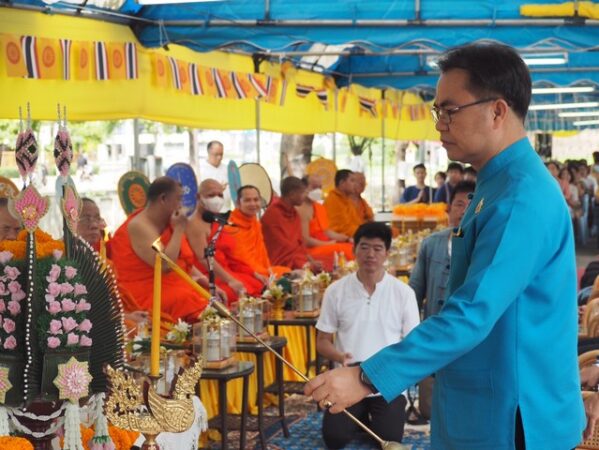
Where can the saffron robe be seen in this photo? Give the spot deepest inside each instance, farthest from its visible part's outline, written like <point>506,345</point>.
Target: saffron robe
<point>318,226</point>
<point>179,300</point>
<point>249,244</point>
<point>342,213</point>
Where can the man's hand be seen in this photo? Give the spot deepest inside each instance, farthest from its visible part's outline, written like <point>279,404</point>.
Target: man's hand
<point>178,219</point>
<point>589,376</point>
<point>222,295</point>
<point>261,278</point>
<point>345,359</point>
<point>236,285</point>
<point>341,387</point>
<point>591,408</point>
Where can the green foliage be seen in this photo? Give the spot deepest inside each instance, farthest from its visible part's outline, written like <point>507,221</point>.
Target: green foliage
<point>358,145</point>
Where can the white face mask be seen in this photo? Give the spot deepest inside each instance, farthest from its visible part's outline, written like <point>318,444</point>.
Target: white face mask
<point>213,204</point>
<point>315,195</point>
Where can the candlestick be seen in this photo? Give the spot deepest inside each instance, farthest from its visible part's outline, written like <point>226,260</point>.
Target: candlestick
<point>155,347</point>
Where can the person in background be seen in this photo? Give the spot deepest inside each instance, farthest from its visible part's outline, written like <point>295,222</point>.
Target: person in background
<point>214,168</point>
<point>440,178</point>
<point>430,274</point>
<point>470,174</point>
<point>455,174</point>
<point>420,192</point>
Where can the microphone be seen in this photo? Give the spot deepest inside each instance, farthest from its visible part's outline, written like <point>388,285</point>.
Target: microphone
<point>222,218</point>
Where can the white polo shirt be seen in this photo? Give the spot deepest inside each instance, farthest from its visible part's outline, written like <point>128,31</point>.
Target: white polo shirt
<point>365,324</point>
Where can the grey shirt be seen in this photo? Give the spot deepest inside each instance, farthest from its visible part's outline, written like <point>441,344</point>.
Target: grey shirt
<point>431,272</point>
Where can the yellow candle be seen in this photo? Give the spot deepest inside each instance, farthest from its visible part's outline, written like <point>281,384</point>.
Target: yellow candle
<point>155,349</point>
<point>103,250</point>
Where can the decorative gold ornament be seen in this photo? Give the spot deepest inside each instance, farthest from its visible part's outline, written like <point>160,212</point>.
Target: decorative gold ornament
<point>5,384</point>
<point>125,406</point>
<point>479,206</point>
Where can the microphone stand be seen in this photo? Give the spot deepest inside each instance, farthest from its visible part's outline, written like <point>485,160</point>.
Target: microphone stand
<point>209,253</point>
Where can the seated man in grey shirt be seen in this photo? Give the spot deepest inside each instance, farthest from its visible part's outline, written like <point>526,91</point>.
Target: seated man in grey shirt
<point>431,273</point>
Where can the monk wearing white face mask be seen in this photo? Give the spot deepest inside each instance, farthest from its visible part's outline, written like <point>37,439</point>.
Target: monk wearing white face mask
<point>322,242</point>
<point>233,275</point>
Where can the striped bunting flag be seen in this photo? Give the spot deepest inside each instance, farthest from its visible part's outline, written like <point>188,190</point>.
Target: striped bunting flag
<point>101,58</point>
<point>283,92</point>
<point>237,86</point>
<point>194,78</point>
<point>174,72</point>
<point>219,83</point>
<point>367,105</point>
<point>65,46</point>
<point>30,54</point>
<point>261,85</point>
<point>131,61</point>
<point>302,90</point>
<point>323,98</point>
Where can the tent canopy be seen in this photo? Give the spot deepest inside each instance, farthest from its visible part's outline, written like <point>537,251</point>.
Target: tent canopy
<point>380,44</point>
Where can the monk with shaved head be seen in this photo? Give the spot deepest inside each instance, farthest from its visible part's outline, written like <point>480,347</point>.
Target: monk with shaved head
<point>233,275</point>
<point>133,257</point>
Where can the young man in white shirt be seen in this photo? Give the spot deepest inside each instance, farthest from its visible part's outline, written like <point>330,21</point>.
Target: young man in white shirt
<point>362,313</point>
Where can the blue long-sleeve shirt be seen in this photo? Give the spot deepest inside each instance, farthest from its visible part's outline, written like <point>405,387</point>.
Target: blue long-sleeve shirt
<point>506,336</point>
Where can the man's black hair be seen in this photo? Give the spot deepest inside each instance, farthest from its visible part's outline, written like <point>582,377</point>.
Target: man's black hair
<point>463,187</point>
<point>494,70</point>
<point>455,166</point>
<point>341,176</point>
<point>373,230</point>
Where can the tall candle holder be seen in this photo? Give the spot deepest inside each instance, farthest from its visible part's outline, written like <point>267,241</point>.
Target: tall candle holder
<point>251,314</point>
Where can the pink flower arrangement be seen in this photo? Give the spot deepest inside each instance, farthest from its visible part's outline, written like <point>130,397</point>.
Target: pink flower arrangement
<point>64,322</point>
<point>12,295</point>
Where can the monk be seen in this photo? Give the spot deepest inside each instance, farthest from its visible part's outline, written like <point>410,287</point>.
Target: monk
<point>319,238</point>
<point>133,256</point>
<point>283,228</point>
<point>91,225</point>
<point>9,225</point>
<point>247,234</point>
<point>233,275</point>
<point>343,215</point>
<point>362,206</point>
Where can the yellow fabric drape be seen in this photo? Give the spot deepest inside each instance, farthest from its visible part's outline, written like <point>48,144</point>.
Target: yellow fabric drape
<point>145,98</point>
<point>567,9</point>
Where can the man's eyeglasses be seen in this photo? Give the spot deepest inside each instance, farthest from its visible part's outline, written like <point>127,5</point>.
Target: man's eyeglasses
<point>443,115</point>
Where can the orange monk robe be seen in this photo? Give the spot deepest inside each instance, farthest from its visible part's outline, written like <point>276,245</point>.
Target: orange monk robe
<point>343,215</point>
<point>318,226</point>
<point>235,266</point>
<point>283,237</point>
<point>364,210</point>
<point>249,245</point>
<point>179,299</point>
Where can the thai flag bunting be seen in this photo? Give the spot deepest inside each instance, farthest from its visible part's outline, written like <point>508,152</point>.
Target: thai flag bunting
<point>65,46</point>
<point>30,53</point>
<point>174,72</point>
<point>101,61</point>
<point>194,77</point>
<point>131,60</point>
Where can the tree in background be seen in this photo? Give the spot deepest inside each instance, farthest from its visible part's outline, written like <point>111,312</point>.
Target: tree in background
<point>296,153</point>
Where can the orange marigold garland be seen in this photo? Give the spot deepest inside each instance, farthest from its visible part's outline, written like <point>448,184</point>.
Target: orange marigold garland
<point>15,443</point>
<point>45,245</point>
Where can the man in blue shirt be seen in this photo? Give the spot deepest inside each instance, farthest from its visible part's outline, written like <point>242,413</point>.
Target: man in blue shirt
<point>419,193</point>
<point>503,347</point>
<point>455,174</point>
